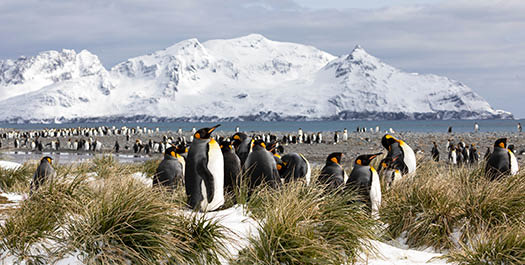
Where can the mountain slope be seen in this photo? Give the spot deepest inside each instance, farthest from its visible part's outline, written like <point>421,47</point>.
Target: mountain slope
<point>247,78</point>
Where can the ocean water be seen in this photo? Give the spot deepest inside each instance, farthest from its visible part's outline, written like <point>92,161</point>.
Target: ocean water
<point>308,126</point>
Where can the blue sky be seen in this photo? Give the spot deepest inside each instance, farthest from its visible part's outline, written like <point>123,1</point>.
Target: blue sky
<point>480,43</point>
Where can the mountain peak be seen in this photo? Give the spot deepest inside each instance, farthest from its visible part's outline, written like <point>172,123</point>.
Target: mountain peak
<point>254,36</point>
<point>359,52</point>
<point>357,47</point>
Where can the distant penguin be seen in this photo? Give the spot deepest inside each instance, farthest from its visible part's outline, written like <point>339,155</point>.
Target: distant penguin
<point>453,155</point>
<point>333,173</point>
<point>365,179</point>
<point>435,152</point>
<point>487,154</point>
<point>243,145</point>
<point>473,155</point>
<point>296,167</point>
<point>169,173</point>
<point>501,161</point>
<point>345,135</point>
<point>405,156</point>
<point>44,172</point>
<point>116,146</point>
<point>261,167</point>
<point>232,166</point>
<point>204,174</point>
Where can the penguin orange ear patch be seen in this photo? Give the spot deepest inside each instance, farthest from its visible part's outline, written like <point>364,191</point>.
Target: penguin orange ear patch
<point>502,145</point>
<point>198,135</point>
<point>50,161</point>
<point>358,162</point>
<point>279,166</point>
<point>236,137</point>
<point>334,159</point>
<point>172,153</point>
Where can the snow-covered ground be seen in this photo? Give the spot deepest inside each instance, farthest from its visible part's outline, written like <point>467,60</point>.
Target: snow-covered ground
<point>9,165</point>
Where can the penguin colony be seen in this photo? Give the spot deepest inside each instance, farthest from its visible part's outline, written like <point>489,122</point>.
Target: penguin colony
<point>208,167</point>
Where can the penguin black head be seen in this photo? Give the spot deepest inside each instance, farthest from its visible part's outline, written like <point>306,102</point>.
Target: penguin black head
<point>48,159</point>
<point>181,148</point>
<point>205,133</point>
<point>334,158</point>
<point>171,151</point>
<point>275,148</point>
<point>387,140</point>
<point>511,147</point>
<point>364,160</point>
<point>239,136</point>
<point>260,143</point>
<point>226,146</point>
<point>502,142</point>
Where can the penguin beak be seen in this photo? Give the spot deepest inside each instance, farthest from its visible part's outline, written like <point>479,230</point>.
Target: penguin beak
<point>213,128</point>
<point>375,155</point>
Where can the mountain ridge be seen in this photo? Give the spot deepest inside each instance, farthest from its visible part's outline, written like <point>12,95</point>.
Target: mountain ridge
<point>245,78</point>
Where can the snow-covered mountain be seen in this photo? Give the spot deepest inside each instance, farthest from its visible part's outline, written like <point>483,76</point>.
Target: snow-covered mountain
<point>247,78</point>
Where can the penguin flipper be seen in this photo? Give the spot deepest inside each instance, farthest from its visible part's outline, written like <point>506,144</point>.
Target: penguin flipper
<point>207,177</point>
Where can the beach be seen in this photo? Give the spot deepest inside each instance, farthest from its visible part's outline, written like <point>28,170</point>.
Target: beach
<point>357,143</point>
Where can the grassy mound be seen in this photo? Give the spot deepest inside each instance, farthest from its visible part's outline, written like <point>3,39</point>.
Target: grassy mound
<point>458,209</point>
<point>302,224</point>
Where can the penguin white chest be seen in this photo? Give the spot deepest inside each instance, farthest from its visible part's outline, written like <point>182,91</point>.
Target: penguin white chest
<point>216,167</point>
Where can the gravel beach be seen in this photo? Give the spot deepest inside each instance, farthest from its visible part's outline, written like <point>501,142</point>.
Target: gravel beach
<point>357,143</point>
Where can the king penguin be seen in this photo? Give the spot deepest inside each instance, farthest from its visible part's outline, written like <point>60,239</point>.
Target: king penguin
<point>333,173</point>
<point>261,166</point>
<point>365,179</point>
<point>44,172</point>
<point>501,161</point>
<point>296,167</point>
<point>401,153</point>
<point>170,170</point>
<point>204,176</point>
<point>243,145</point>
<point>232,166</point>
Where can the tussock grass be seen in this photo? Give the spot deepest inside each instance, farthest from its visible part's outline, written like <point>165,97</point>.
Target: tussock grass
<point>38,219</point>
<point>504,245</point>
<point>16,180</point>
<point>205,238</point>
<point>124,223</point>
<point>450,208</point>
<point>302,224</point>
<point>106,166</point>
<point>149,167</point>
<point>127,222</point>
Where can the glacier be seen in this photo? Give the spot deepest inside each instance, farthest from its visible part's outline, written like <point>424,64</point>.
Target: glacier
<point>246,78</point>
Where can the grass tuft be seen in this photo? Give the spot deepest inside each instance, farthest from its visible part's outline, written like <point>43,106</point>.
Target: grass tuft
<point>446,207</point>
<point>302,224</point>
<point>16,180</point>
